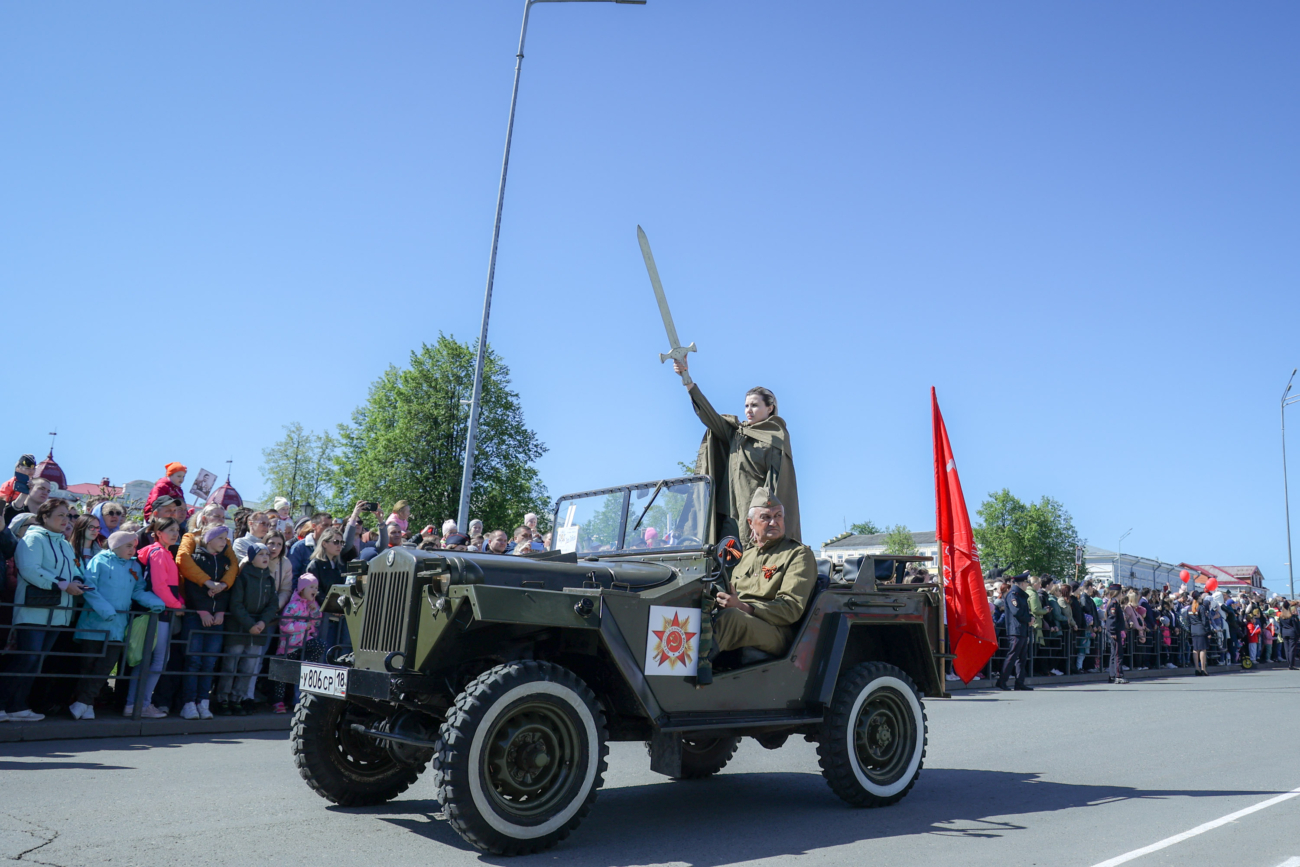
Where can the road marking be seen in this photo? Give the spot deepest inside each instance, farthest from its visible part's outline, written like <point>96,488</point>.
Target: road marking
<point>1201,829</point>
<point>1293,861</point>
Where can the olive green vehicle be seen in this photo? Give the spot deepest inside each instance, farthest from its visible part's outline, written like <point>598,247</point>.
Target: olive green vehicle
<point>510,675</point>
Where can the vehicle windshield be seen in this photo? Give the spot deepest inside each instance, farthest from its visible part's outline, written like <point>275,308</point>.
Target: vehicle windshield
<point>672,513</point>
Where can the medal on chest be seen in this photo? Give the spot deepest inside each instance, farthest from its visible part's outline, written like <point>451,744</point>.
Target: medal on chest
<point>769,572</point>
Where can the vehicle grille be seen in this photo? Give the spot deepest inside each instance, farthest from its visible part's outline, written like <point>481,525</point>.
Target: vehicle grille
<point>388,606</point>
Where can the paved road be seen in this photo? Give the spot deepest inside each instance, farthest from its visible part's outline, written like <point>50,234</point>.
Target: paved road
<point>1067,776</point>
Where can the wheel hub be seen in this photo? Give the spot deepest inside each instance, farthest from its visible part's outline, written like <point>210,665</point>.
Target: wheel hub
<point>882,735</point>
<point>530,758</point>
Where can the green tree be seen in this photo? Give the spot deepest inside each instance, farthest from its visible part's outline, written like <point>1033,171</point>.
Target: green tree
<point>898,540</point>
<point>407,442</point>
<point>866,528</point>
<point>1039,536</point>
<point>299,467</point>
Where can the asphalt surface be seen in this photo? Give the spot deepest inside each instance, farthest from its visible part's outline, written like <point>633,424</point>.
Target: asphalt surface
<point>1071,775</point>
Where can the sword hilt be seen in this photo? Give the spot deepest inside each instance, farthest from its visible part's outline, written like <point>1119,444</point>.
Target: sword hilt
<point>679,354</point>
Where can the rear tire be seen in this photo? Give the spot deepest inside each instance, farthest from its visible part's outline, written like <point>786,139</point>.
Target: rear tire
<point>873,736</point>
<point>521,757</point>
<point>341,765</point>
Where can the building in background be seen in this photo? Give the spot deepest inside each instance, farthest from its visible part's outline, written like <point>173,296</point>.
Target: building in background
<point>1130,569</point>
<point>1234,578</point>
<point>848,546</point>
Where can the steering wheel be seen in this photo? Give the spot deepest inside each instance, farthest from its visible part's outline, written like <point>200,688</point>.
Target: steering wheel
<point>690,540</point>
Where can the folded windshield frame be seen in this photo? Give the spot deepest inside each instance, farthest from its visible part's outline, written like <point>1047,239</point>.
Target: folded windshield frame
<point>599,522</point>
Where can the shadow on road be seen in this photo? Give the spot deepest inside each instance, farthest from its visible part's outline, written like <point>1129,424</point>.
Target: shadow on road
<point>65,748</point>
<point>767,815</point>
<point>61,766</point>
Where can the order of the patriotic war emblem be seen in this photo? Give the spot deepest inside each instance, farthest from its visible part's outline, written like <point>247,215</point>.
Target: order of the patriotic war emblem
<point>673,640</point>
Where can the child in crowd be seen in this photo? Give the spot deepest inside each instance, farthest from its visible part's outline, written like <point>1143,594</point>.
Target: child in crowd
<point>401,515</point>
<point>1252,636</point>
<point>113,581</point>
<point>254,606</point>
<point>298,627</point>
<point>164,582</point>
<point>280,518</point>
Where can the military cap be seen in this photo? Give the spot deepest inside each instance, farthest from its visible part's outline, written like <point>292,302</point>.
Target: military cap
<point>765,499</point>
<point>1023,576</point>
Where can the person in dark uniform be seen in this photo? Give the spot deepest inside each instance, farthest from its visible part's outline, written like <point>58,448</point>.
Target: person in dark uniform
<point>1115,624</point>
<point>1017,619</point>
<point>1289,626</point>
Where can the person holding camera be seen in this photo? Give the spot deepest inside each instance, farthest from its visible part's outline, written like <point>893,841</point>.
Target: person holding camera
<point>354,529</point>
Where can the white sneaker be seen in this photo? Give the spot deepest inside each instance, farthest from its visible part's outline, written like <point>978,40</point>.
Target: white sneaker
<point>26,716</point>
<point>952,677</point>
<point>128,711</point>
<point>204,713</point>
<point>4,717</point>
<point>1056,672</point>
<point>78,709</point>
<point>151,712</point>
<point>189,711</point>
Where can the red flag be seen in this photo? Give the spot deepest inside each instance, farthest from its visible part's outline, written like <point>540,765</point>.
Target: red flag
<point>971,638</point>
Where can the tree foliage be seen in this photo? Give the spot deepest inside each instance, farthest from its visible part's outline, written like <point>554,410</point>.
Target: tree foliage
<point>1039,536</point>
<point>898,540</point>
<point>299,467</point>
<point>866,528</point>
<point>407,442</point>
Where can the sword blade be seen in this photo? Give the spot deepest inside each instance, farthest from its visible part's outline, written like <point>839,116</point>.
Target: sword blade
<point>664,312</point>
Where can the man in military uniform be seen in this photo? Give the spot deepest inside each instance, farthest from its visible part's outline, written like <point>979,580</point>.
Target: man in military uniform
<point>1019,631</point>
<point>770,585</point>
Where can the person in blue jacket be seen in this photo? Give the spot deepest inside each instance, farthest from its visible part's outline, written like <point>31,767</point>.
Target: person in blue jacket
<point>113,581</point>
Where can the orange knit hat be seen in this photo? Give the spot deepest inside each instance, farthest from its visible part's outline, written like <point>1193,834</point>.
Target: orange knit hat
<point>175,467</point>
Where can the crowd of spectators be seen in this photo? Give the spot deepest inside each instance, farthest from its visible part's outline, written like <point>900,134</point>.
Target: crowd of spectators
<point>227,590</point>
<point>1076,626</point>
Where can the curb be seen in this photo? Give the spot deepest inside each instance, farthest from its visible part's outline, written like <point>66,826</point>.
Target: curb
<point>988,684</point>
<point>63,728</point>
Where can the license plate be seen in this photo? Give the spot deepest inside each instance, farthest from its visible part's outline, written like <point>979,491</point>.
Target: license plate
<point>324,679</point>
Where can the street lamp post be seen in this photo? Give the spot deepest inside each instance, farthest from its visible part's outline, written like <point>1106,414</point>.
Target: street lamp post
<point>467,476</point>
<point>1286,495</point>
<point>1119,555</point>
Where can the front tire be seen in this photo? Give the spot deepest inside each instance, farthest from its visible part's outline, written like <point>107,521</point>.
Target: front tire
<point>873,736</point>
<point>341,765</point>
<point>521,757</point>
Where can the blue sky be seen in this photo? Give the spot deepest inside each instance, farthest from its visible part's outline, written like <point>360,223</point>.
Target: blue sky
<point>1077,221</point>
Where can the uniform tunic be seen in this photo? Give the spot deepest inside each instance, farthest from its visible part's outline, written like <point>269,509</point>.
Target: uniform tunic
<point>777,580</point>
<point>741,457</point>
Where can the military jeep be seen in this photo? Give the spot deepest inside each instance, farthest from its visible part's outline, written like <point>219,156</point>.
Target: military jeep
<point>511,674</point>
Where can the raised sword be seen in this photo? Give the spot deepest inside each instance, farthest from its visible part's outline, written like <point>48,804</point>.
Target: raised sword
<point>677,352</point>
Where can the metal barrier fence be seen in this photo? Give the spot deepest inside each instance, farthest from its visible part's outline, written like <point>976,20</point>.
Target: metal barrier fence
<point>1062,650</point>
<point>65,658</point>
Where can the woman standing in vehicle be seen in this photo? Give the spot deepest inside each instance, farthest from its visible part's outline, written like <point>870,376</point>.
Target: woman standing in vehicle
<point>743,456</point>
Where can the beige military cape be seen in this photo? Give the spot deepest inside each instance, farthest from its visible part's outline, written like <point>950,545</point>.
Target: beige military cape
<point>740,457</point>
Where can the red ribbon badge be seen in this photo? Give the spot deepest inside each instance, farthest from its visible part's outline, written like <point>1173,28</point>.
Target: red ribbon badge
<point>768,572</point>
